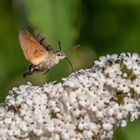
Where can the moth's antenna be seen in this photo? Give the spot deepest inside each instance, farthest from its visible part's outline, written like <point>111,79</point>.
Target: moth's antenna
<point>77,46</point>
<point>69,63</point>
<point>59,44</point>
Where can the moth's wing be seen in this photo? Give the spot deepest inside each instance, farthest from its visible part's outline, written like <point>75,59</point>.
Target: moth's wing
<point>42,40</point>
<point>32,50</point>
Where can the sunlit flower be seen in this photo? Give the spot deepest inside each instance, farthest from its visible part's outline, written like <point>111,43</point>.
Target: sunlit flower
<point>89,104</point>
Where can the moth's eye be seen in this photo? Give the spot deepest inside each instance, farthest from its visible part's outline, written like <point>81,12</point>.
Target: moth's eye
<point>59,54</point>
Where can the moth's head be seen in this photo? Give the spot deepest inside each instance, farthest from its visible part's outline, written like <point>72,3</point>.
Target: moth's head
<point>60,55</point>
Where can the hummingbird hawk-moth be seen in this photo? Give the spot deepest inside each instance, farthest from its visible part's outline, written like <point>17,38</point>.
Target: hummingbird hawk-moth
<point>39,52</point>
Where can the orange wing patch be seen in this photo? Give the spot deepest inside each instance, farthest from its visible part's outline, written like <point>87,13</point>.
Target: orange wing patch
<point>32,50</point>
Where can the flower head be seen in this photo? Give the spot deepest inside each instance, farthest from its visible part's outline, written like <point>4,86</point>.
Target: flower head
<point>89,104</point>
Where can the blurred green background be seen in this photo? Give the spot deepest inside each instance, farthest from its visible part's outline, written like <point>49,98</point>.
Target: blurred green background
<point>100,26</point>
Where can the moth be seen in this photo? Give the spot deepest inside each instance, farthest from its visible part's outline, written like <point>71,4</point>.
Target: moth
<point>39,52</point>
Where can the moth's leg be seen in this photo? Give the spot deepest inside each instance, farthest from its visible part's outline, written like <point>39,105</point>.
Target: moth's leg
<point>29,71</point>
<point>46,71</point>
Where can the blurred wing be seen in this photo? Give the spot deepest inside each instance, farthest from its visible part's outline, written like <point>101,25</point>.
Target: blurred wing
<point>42,40</point>
<point>32,50</point>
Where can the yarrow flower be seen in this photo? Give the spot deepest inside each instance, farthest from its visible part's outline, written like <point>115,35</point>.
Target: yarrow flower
<point>88,105</point>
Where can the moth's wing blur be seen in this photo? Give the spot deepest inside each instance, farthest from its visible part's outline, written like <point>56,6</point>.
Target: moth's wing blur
<point>42,40</point>
<point>32,50</point>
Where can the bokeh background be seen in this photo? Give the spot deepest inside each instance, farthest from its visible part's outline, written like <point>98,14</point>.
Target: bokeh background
<point>100,26</point>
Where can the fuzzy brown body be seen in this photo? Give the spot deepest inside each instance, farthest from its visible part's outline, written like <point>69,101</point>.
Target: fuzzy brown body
<point>45,66</point>
<point>39,52</point>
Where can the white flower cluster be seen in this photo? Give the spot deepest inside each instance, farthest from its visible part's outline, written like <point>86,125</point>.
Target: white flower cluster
<point>88,105</point>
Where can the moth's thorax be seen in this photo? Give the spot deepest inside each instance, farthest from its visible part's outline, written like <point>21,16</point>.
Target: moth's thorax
<point>55,57</point>
<point>51,60</point>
